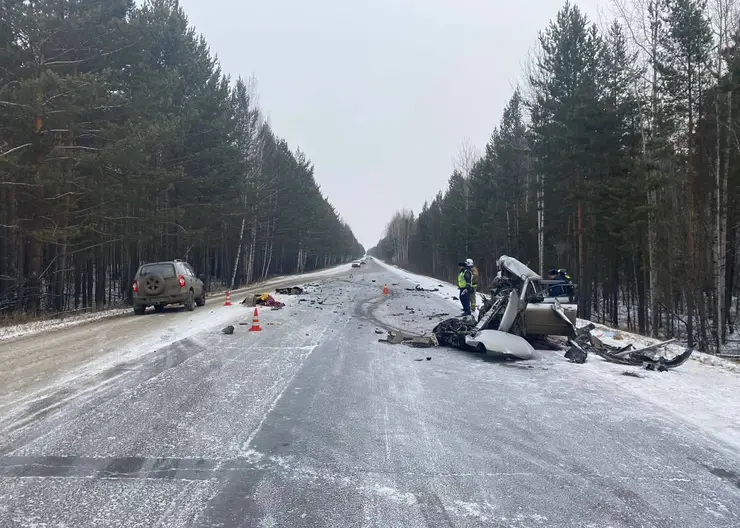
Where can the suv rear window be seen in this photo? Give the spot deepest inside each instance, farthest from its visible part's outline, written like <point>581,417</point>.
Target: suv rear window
<point>167,271</point>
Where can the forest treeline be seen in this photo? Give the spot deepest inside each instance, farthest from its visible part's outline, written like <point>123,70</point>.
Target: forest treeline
<point>121,142</point>
<point>617,159</point>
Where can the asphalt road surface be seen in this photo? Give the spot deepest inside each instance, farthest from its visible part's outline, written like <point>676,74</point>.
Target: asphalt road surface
<point>165,421</point>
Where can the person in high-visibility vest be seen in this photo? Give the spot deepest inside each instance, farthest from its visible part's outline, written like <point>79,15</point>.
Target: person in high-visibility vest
<point>464,283</point>
<point>473,283</point>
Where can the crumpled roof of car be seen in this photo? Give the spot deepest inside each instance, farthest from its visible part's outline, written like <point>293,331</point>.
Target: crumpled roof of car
<point>515,267</point>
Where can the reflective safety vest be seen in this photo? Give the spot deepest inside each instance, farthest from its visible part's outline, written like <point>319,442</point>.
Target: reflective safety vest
<point>474,280</point>
<point>461,282</point>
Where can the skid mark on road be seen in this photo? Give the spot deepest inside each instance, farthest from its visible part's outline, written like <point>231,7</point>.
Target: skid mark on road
<point>286,383</point>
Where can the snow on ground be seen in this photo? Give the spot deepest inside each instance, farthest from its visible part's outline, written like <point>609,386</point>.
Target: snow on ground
<point>446,290</point>
<point>174,326</point>
<point>703,392</point>
<point>35,327</point>
<point>342,268</point>
<point>620,338</point>
<point>67,321</point>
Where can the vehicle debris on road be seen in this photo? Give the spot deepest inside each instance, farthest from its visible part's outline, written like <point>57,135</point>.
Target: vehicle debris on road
<point>263,299</point>
<point>650,357</point>
<point>418,288</point>
<point>293,290</point>
<point>397,338</point>
<point>228,330</point>
<point>515,309</point>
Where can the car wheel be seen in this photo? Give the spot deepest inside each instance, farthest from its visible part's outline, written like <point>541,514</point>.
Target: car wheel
<point>481,348</point>
<point>201,301</point>
<point>159,308</point>
<point>190,302</point>
<point>139,309</point>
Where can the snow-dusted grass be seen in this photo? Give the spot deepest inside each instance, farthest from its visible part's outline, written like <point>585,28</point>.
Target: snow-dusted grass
<point>35,327</point>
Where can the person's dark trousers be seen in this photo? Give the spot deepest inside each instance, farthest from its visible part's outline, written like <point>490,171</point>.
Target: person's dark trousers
<point>465,301</point>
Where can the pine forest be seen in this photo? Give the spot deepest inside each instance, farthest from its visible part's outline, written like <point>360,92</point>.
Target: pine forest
<point>122,142</point>
<point>617,157</point>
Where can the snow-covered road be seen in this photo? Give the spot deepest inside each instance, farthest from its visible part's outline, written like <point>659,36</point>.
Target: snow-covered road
<point>313,422</point>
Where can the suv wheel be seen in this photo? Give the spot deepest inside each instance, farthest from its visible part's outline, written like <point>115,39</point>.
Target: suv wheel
<point>190,302</point>
<point>201,301</point>
<point>139,309</point>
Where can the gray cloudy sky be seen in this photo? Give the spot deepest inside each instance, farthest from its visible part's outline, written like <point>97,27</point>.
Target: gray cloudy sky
<point>378,94</point>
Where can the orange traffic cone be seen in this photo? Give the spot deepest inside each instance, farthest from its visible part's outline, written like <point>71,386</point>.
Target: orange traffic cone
<point>385,289</point>
<point>228,299</point>
<point>256,322</point>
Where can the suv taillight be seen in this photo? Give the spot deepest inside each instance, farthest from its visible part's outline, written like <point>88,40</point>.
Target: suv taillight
<point>181,280</point>
<point>136,286</point>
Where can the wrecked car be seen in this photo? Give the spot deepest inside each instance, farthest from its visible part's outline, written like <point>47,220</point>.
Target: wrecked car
<point>517,308</point>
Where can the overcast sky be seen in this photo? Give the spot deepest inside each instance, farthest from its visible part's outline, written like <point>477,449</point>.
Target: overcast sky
<point>378,94</point>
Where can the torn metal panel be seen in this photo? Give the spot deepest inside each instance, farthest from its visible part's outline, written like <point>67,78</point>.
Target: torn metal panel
<point>649,357</point>
<point>516,268</point>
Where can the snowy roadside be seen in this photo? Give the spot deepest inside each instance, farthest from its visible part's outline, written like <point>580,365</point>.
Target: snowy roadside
<point>445,290</point>
<point>620,338</point>
<point>67,321</point>
<point>703,392</point>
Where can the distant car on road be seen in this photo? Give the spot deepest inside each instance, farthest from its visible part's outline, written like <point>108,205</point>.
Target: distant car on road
<point>363,261</point>
<point>356,264</point>
<point>172,282</point>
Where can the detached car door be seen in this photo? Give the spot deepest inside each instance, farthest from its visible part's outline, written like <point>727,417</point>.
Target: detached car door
<point>542,319</point>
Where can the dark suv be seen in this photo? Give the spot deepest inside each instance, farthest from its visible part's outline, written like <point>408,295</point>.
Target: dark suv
<point>161,283</point>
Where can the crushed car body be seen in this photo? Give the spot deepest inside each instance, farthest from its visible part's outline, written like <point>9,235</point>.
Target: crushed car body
<point>517,308</point>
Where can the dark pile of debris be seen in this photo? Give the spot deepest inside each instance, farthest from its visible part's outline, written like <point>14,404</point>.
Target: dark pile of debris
<point>650,357</point>
<point>293,290</point>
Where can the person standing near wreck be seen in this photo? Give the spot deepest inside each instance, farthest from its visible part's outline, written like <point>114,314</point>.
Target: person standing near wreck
<point>464,283</point>
<point>473,283</point>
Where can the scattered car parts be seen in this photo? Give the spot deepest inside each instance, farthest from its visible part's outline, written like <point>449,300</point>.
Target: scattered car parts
<point>649,357</point>
<point>418,288</point>
<point>516,309</point>
<point>293,290</point>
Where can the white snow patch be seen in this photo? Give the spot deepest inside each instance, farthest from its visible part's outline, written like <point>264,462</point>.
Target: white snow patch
<point>392,494</point>
<point>703,392</point>
<point>468,509</point>
<point>35,327</point>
